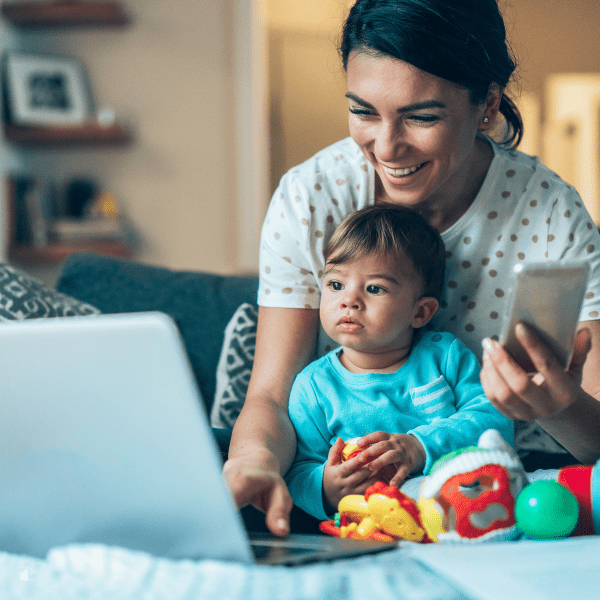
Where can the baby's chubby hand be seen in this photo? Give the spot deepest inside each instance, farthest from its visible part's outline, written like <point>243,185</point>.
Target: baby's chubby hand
<point>344,477</point>
<point>391,456</point>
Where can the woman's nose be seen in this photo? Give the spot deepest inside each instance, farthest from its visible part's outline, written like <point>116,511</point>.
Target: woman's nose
<point>389,142</point>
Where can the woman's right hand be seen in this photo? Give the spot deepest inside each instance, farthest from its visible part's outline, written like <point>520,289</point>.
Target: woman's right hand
<point>253,483</point>
<point>263,443</point>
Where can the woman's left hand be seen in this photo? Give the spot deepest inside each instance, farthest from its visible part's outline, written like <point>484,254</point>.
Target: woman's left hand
<point>550,391</point>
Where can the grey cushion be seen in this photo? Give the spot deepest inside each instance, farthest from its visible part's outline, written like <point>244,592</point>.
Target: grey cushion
<point>24,297</point>
<point>200,303</point>
<point>235,366</point>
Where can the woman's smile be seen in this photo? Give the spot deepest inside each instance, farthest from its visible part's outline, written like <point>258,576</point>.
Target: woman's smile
<point>402,172</point>
<point>403,176</point>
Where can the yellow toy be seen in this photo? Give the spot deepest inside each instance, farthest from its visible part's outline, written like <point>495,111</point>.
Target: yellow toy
<point>384,513</point>
<point>351,449</point>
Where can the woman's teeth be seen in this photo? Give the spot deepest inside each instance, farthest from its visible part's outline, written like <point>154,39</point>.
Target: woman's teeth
<point>403,172</point>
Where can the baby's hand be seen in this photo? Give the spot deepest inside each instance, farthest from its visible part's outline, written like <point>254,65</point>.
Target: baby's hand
<point>343,477</point>
<point>392,456</point>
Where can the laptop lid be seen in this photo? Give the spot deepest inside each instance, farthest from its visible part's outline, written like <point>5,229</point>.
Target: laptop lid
<point>104,439</point>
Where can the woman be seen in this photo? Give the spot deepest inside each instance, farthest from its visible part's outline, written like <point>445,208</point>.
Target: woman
<point>426,84</point>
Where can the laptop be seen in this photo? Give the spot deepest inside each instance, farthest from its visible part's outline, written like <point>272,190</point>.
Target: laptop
<point>104,439</point>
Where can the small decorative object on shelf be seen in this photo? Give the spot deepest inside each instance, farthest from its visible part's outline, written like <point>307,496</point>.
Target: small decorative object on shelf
<point>46,90</point>
<point>46,226</point>
<point>65,13</point>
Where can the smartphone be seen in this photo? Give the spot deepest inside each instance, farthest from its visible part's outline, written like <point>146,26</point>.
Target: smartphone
<point>548,297</point>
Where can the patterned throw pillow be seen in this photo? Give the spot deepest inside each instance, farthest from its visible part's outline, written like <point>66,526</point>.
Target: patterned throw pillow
<point>24,297</point>
<point>235,366</point>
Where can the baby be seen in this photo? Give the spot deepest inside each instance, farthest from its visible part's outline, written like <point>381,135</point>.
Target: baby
<point>409,395</point>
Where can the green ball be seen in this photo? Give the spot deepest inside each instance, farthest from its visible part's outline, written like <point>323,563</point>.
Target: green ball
<point>546,510</point>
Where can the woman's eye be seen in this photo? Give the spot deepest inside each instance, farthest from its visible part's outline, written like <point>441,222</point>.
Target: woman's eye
<point>360,112</point>
<point>424,119</point>
<point>375,289</point>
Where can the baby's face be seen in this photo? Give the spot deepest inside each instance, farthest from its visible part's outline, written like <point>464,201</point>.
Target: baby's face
<point>370,304</point>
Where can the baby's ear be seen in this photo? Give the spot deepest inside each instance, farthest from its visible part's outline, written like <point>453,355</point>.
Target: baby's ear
<point>426,308</point>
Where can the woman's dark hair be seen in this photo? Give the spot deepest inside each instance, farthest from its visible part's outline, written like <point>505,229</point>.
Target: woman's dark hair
<point>462,41</point>
<point>391,228</point>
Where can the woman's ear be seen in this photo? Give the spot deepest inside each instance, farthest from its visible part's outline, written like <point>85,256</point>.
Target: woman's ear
<point>426,308</point>
<point>490,107</point>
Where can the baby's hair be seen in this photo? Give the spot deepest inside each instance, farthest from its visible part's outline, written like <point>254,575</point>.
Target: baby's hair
<point>388,228</point>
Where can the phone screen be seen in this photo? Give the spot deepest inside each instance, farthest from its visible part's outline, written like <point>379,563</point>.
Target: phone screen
<point>548,297</point>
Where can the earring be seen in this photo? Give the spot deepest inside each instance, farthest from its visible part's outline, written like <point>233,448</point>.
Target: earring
<point>486,119</point>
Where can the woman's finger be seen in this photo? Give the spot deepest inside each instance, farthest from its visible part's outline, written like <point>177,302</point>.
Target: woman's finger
<point>516,379</point>
<point>556,387</point>
<point>541,356</point>
<point>497,389</point>
<point>581,347</point>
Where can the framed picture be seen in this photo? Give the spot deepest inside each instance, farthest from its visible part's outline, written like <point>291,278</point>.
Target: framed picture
<point>46,90</point>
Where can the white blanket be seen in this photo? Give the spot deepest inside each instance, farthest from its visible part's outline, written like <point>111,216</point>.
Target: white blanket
<point>97,572</point>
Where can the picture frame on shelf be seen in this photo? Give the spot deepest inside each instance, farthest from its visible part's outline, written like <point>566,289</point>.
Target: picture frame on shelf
<point>46,90</point>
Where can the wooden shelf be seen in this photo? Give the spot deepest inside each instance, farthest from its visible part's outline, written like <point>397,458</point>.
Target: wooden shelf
<point>56,253</point>
<point>88,134</point>
<point>56,14</point>
<point>65,13</point>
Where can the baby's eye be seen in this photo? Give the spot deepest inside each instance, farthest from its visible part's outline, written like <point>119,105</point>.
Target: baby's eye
<point>375,289</point>
<point>336,286</point>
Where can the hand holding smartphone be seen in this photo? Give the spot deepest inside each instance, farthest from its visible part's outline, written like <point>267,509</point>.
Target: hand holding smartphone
<point>548,297</point>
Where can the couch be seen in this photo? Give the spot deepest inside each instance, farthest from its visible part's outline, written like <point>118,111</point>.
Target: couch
<point>200,303</point>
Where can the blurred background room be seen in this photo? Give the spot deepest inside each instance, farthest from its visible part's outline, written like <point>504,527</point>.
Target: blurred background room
<point>191,110</point>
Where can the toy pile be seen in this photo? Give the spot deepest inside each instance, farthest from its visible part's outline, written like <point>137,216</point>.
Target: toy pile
<point>479,493</point>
